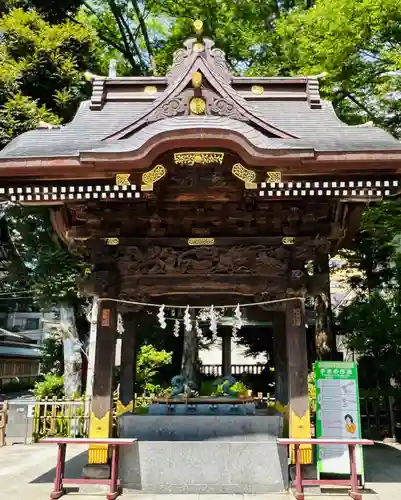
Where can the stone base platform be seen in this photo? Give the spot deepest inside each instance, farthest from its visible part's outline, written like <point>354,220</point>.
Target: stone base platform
<point>203,454</point>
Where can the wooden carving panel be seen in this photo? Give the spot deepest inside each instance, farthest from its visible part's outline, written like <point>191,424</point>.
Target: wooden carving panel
<point>156,260</point>
<point>242,218</point>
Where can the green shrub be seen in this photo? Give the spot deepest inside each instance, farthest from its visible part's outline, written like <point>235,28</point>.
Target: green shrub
<point>52,386</point>
<point>211,388</point>
<point>240,388</point>
<point>149,361</point>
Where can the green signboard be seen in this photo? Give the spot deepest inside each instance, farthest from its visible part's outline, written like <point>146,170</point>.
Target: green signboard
<point>337,414</point>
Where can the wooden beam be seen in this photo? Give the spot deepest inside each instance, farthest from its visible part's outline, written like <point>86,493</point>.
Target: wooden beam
<point>218,241</point>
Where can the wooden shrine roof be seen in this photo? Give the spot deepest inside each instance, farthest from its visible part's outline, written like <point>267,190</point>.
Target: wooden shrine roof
<point>269,116</point>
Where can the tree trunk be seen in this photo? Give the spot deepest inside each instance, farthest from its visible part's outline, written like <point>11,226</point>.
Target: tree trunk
<point>324,334</point>
<point>190,354</point>
<point>72,352</point>
<point>322,326</point>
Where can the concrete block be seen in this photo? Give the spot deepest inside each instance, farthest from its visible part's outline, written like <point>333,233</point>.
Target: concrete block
<point>203,455</point>
<point>201,428</point>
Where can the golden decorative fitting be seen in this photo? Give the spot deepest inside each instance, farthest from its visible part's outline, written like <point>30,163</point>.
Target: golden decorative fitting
<point>150,89</point>
<point>195,242</point>
<point>198,25</point>
<point>121,408</point>
<point>151,177</point>
<point>245,175</point>
<point>288,240</point>
<point>199,47</point>
<point>257,89</point>
<point>99,428</point>
<point>202,157</point>
<point>196,79</point>
<point>123,179</point>
<point>273,177</point>
<point>112,242</point>
<point>197,106</point>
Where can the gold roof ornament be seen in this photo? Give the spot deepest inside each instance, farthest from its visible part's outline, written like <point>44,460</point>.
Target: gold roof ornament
<point>288,240</point>
<point>198,25</point>
<point>123,179</point>
<point>151,177</point>
<point>112,242</point>
<point>201,157</point>
<point>246,175</point>
<point>199,47</point>
<point>196,79</point>
<point>196,242</point>
<point>150,89</point>
<point>257,89</point>
<point>197,106</point>
<point>273,177</point>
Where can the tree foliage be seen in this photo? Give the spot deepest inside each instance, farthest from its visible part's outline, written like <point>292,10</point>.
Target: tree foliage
<point>371,322</point>
<point>41,265</point>
<point>42,69</point>
<point>52,355</point>
<point>149,362</point>
<point>357,42</point>
<point>372,326</point>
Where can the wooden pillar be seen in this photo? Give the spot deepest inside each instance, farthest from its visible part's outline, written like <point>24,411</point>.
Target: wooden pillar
<point>299,416</point>
<point>126,400</point>
<point>280,361</point>
<point>226,354</point>
<point>100,425</point>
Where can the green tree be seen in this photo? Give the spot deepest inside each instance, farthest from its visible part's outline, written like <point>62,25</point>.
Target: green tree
<point>42,69</point>
<point>142,35</point>
<point>371,322</point>
<point>54,11</point>
<point>357,42</point>
<point>48,272</point>
<point>52,355</point>
<point>373,331</point>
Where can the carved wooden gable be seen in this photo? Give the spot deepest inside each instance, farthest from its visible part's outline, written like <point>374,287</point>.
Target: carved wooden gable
<point>199,84</point>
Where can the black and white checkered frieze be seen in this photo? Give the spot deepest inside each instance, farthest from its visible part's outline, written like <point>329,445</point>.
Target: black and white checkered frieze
<point>55,193</point>
<point>349,189</point>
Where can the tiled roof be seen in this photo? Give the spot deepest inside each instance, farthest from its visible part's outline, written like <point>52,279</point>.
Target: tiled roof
<point>124,107</point>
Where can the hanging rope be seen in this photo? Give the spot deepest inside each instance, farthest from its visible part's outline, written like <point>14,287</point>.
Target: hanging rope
<point>229,306</point>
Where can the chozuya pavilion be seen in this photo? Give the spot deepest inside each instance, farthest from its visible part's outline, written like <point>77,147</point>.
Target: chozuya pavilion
<point>200,188</point>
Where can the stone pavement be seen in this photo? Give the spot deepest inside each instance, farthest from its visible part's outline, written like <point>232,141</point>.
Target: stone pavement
<point>27,471</point>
